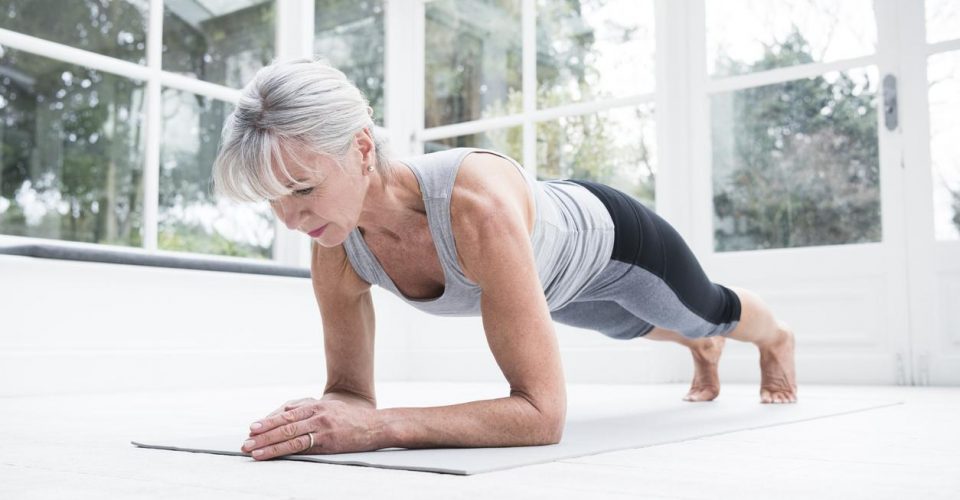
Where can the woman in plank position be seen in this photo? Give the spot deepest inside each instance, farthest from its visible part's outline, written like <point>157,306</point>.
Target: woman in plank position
<point>464,232</point>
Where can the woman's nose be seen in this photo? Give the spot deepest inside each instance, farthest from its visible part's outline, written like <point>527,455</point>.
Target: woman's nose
<point>287,213</point>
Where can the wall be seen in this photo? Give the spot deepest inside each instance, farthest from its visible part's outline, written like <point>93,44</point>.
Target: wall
<point>88,327</point>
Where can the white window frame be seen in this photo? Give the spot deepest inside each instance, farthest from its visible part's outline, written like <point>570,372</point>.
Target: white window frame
<point>530,116</point>
<point>294,38</point>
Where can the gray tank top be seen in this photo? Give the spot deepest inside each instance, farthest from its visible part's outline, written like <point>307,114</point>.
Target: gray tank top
<point>572,237</point>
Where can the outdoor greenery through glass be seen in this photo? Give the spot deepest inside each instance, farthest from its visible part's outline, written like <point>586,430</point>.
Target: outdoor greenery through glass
<point>71,151</point>
<point>615,147</point>
<point>741,33</point>
<point>350,36</point>
<point>190,218</point>
<point>108,27</point>
<point>797,163</point>
<point>226,45</point>
<point>508,141</point>
<point>594,49</point>
<point>586,50</point>
<point>473,60</point>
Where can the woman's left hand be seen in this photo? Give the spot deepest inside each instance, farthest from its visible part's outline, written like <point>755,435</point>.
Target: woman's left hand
<point>336,427</point>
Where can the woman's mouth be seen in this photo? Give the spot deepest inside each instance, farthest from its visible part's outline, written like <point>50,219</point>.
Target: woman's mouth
<point>317,232</point>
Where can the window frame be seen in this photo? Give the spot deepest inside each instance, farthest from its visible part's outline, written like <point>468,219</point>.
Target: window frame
<point>293,38</point>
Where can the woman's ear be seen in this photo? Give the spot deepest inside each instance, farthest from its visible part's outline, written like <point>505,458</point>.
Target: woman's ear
<point>366,145</point>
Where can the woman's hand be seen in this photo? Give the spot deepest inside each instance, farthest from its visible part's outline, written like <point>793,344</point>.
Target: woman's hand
<point>336,427</point>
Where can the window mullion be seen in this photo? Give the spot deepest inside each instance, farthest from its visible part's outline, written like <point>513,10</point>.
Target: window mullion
<point>529,72</point>
<point>399,58</point>
<point>153,127</point>
<point>700,172</point>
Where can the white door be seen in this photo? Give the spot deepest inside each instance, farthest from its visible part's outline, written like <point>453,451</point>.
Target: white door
<point>798,189</point>
<point>930,35</point>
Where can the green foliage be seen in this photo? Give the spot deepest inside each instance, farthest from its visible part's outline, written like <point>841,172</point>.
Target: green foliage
<point>800,165</point>
<point>185,237</point>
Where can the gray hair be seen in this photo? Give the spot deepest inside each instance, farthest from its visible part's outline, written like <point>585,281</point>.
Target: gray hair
<point>289,107</point>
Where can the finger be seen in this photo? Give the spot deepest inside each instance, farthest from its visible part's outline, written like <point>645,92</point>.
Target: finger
<point>287,417</point>
<point>285,407</point>
<point>279,435</point>
<point>290,447</point>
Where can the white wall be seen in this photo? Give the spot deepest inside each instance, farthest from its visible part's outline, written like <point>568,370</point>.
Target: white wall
<point>89,327</point>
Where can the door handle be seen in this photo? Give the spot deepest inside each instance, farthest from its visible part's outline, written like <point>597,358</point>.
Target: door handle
<point>890,118</point>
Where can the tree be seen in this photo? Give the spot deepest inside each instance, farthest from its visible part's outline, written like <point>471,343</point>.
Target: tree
<point>800,164</point>
<point>71,144</point>
<point>474,70</point>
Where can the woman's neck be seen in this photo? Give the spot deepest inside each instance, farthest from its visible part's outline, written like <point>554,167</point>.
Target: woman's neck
<point>392,199</point>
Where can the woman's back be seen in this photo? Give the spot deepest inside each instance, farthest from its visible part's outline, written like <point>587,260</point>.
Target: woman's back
<point>572,237</point>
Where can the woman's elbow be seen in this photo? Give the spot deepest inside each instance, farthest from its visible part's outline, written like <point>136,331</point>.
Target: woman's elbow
<point>550,425</point>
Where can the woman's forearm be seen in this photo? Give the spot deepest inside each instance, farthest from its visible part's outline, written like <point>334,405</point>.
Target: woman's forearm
<point>510,421</point>
<point>349,397</point>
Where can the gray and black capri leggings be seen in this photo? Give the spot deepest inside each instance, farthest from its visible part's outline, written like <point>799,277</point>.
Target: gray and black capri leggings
<point>652,279</point>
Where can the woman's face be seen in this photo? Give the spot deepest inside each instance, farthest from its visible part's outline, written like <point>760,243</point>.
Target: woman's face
<point>328,207</point>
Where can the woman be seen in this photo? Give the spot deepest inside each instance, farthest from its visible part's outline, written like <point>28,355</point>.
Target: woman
<point>464,232</point>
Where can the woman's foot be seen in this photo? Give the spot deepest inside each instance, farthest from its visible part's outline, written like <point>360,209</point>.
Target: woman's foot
<point>778,378</point>
<point>706,360</point>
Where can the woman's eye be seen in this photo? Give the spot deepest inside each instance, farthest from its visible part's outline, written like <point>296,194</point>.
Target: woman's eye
<point>303,192</point>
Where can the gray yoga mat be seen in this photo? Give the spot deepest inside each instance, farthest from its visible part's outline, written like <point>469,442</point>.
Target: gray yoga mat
<point>659,422</point>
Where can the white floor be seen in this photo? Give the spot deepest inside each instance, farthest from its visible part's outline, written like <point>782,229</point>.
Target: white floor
<point>78,447</point>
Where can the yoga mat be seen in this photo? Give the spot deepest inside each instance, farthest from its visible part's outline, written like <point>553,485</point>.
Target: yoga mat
<point>659,422</point>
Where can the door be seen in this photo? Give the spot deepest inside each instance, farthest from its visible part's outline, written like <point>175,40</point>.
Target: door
<point>798,181</point>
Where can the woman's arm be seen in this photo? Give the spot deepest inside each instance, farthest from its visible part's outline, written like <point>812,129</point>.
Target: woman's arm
<point>346,310</point>
<point>492,216</point>
<point>491,219</point>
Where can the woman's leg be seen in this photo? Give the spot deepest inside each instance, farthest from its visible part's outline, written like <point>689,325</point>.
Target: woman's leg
<point>706,360</point>
<point>662,283</point>
<point>757,325</point>
<point>776,343</point>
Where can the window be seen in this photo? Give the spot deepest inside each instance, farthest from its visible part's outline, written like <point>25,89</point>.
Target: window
<point>943,75</point>
<point>350,36</point>
<point>115,29</point>
<point>190,219</point>
<point>71,151</point>
<point>76,161</point>
<point>219,42</point>
<point>584,101</point>
<point>795,163</point>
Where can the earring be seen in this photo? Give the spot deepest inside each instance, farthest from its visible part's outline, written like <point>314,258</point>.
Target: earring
<point>369,168</point>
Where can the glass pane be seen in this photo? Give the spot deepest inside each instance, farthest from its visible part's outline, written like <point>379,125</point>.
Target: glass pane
<point>796,164</point>
<point>71,151</point>
<point>943,20</point>
<point>593,49</point>
<point>944,75</point>
<point>744,36</point>
<point>473,60</point>
<point>190,218</point>
<point>115,29</point>
<point>615,147</point>
<point>350,36</point>
<point>508,141</point>
<point>220,42</point>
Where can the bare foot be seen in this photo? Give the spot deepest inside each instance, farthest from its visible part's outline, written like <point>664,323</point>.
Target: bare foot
<point>706,380</point>
<point>778,378</point>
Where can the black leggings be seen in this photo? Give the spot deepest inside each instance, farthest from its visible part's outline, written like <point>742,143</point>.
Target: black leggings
<point>652,279</point>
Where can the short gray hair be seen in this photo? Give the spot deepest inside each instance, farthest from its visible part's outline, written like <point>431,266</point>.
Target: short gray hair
<point>289,106</point>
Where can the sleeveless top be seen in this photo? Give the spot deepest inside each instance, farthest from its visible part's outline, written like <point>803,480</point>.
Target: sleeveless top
<point>572,238</point>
